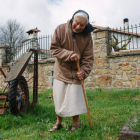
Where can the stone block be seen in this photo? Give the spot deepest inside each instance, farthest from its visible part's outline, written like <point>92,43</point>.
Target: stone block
<point>104,80</point>
<point>110,60</point>
<point>120,64</point>
<point>133,65</point>
<point>98,72</point>
<point>138,64</point>
<point>138,83</point>
<point>137,77</point>
<point>117,83</point>
<point>125,68</point>
<point>40,72</point>
<point>40,83</point>
<point>30,68</point>
<point>130,59</point>
<point>30,75</point>
<point>94,66</point>
<point>96,43</point>
<point>94,36</point>
<point>51,68</point>
<point>112,72</point>
<point>114,66</point>
<point>30,85</point>
<point>126,84</point>
<point>130,79</point>
<point>104,48</point>
<point>124,59</point>
<point>116,61</point>
<point>138,71</point>
<point>106,71</point>
<point>46,68</point>
<point>118,77</point>
<point>135,59</point>
<point>96,49</point>
<point>48,73</point>
<point>40,79</point>
<point>46,78</point>
<point>96,55</point>
<point>4,84</point>
<point>98,60</point>
<point>132,76</point>
<point>125,63</point>
<point>106,66</point>
<point>89,84</point>
<point>91,79</point>
<point>100,66</point>
<point>93,71</point>
<point>101,42</point>
<point>119,72</point>
<point>103,54</point>
<point>133,83</point>
<point>124,77</point>
<point>132,73</point>
<point>102,34</point>
<point>113,77</point>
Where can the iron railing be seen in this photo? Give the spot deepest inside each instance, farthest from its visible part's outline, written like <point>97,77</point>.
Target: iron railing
<point>44,42</point>
<point>14,52</point>
<point>124,38</point>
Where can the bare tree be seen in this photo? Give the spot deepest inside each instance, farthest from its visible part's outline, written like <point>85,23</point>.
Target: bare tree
<point>12,33</point>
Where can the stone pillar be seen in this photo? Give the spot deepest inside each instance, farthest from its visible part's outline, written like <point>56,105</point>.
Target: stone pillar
<point>100,38</point>
<point>96,78</point>
<point>2,54</point>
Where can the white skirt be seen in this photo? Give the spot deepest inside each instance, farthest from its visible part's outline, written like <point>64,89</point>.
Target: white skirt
<point>68,99</point>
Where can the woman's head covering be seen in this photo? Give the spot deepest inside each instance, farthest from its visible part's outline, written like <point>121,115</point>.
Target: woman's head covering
<point>88,28</point>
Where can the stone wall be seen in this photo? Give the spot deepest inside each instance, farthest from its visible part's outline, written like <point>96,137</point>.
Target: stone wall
<point>45,72</point>
<point>117,70</point>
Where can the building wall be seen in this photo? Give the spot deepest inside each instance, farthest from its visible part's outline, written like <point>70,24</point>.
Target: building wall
<point>117,70</point>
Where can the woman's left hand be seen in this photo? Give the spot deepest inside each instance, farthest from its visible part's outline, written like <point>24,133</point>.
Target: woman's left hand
<point>80,75</point>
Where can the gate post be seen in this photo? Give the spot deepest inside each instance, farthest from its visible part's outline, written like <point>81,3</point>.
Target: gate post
<point>3,56</point>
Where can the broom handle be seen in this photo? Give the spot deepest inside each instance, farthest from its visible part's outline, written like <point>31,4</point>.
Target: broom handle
<point>84,96</point>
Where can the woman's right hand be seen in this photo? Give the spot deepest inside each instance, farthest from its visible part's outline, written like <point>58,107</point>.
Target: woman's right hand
<point>74,57</point>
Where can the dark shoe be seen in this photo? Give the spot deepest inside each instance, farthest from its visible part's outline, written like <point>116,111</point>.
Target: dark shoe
<point>73,129</point>
<point>56,127</point>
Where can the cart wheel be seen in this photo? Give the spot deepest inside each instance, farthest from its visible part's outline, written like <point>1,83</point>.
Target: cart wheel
<point>18,96</point>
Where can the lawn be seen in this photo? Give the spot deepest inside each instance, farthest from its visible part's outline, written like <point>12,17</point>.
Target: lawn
<point>109,111</point>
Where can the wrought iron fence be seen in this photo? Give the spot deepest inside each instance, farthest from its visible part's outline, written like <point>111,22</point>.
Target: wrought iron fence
<point>124,38</point>
<point>44,42</point>
<point>14,52</point>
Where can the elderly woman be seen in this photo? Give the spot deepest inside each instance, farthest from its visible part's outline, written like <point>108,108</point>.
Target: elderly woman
<point>71,42</point>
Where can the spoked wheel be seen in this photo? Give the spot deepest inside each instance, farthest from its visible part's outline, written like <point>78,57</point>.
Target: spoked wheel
<point>18,96</point>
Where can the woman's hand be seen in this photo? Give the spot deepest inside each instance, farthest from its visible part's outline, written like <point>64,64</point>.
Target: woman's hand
<point>80,75</point>
<point>74,57</point>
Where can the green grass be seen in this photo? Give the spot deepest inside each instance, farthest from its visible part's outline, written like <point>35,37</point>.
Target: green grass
<point>109,111</point>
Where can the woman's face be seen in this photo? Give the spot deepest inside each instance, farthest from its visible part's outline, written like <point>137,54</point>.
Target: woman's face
<point>78,24</point>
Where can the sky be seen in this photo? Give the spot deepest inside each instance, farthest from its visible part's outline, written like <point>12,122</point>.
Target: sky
<point>46,15</point>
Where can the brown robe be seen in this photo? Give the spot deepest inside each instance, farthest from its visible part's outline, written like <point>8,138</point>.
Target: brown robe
<point>63,45</point>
